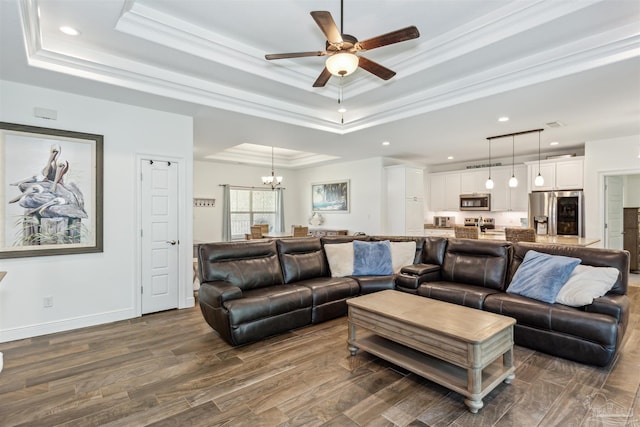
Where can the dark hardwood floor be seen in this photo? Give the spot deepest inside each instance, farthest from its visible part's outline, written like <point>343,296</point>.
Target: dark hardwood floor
<point>170,369</point>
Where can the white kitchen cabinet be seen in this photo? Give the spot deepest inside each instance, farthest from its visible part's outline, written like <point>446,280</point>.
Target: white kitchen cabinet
<point>452,191</point>
<point>405,200</point>
<point>569,174</point>
<point>558,174</point>
<point>519,196</point>
<point>436,192</point>
<point>444,191</point>
<point>473,182</point>
<point>505,198</point>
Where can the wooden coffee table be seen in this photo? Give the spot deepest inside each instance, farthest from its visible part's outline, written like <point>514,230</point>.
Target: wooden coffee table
<point>455,346</point>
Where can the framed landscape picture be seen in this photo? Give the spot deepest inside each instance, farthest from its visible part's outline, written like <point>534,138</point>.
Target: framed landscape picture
<point>330,197</point>
<point>51,198</point>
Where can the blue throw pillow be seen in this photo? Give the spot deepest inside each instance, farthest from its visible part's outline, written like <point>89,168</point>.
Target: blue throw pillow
<point>372,258</point>
<point>540,276</point>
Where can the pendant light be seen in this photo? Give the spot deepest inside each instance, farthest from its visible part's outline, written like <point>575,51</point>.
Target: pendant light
<point>513,181</point>
<point>489,183</point>
<point>273,180</point>
<point>539,181</point>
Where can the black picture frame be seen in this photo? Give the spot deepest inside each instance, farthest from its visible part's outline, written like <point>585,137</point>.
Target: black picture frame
<point>51,197</point>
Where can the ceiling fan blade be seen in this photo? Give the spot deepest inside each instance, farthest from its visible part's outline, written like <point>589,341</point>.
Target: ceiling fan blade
<point>294,55</point>
<point>398,36</point>
<point>323,78</point>
<point>328,26</point>
<point>374,68</point>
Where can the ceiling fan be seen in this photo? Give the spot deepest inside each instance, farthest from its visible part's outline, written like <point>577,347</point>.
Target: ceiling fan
<point>341,49</point>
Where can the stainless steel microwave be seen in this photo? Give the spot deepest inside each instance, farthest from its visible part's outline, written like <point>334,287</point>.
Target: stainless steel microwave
<point>475,202</point>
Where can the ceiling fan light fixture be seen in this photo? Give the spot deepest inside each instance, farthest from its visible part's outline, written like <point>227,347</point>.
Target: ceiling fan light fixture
<point>342,63</point>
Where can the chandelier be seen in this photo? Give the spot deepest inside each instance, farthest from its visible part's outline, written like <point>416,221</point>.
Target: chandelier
<point>273,180</point>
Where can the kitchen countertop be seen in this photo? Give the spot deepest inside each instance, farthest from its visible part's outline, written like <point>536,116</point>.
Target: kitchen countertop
<point>555,240</point>
<point>498,234</point>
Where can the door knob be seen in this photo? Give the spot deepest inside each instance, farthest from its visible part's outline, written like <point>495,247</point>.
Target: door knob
<point>173,242</point>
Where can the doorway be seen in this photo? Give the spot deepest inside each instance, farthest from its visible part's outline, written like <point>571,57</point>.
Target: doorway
<point>160,242</point>
<point>620,191</point>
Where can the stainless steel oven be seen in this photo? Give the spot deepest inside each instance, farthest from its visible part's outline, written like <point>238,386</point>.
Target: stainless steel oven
<point>475,202</point>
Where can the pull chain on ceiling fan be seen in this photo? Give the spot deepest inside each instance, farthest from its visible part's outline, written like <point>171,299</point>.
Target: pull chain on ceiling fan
<point>341,49</point>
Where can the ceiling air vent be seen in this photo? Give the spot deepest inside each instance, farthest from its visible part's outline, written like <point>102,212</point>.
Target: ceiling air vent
<point>555,124</point>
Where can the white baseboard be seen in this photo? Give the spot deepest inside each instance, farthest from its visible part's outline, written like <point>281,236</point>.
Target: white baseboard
<point>188,303</point>
<point>65,325</point>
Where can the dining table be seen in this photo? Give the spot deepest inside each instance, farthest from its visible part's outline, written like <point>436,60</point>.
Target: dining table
<point>277,234</point>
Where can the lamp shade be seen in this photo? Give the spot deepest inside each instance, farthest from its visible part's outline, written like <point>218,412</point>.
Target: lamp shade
<point>488,184</point>
<point>539,181</point>
<point>342,63</point>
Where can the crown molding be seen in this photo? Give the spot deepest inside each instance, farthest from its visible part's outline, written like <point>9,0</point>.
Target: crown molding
<point>146,22</point>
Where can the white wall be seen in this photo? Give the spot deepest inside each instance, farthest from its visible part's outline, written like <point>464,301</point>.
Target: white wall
<point>89,289</point>
<point>366,193</point>
<point>617,156</point>
<point>366,187</point>
<point>207,178</point>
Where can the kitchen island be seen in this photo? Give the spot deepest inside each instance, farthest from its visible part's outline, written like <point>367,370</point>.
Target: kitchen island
<point>554,240</point>
<point>498,234</point>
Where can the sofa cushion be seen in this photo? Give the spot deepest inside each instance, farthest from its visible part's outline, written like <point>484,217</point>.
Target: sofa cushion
<point>268,302</point>
<point>599,328</point>
<point>327,289</point>
<point>540,276</point>
<point>402,253</point>
<point>476,262</point>
<point>302,258</point>
<point>372,258</point>
<point>456,293</point>
<point>370,284</point>
<point>434,249</point>
<point>247,265</point>
<point>586,283</point>
<point>340,258</point>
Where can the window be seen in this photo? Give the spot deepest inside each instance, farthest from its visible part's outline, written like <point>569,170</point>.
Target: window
<point>251,206</point>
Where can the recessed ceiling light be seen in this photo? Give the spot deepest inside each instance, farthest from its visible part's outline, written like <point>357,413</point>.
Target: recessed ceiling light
<point>503,119</point>
<point>342,110</point>
<point>450,158</point>
<point>70,31</point>
<point>386,143</point>
<point>554,143</point>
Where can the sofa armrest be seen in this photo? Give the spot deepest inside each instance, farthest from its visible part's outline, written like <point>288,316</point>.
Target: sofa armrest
<point>412,276</point>
<point>616,306</point>
<point>216,293</point>
<point>419,269</point>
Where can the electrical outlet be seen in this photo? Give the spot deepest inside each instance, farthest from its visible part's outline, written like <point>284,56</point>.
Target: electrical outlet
<point>47,302</point>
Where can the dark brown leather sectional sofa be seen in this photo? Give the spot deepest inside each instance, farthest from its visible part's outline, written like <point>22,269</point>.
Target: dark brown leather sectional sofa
<point>254,289</point>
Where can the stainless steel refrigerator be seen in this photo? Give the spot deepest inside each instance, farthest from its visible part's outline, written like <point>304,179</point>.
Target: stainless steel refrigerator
<point>557,213</point>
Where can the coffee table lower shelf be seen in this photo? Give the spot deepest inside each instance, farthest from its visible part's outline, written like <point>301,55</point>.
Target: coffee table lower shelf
<point>453,377</point>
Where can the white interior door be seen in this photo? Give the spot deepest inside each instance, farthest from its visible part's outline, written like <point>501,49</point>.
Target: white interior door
<point>613,211</point>
<point>159,234</point>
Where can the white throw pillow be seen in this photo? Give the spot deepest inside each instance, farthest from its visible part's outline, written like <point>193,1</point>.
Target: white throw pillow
<point>402,253</point>
<point>340,258</point>
<point>585,284</point>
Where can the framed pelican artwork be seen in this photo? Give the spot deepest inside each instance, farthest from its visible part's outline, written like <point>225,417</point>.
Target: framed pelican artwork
<point>51,197</point>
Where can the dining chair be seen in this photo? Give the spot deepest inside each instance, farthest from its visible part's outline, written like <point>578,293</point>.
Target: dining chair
<point>256,231</point>
<point>520,234</point>
<point>300,231</point>
<point>465,232</point>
